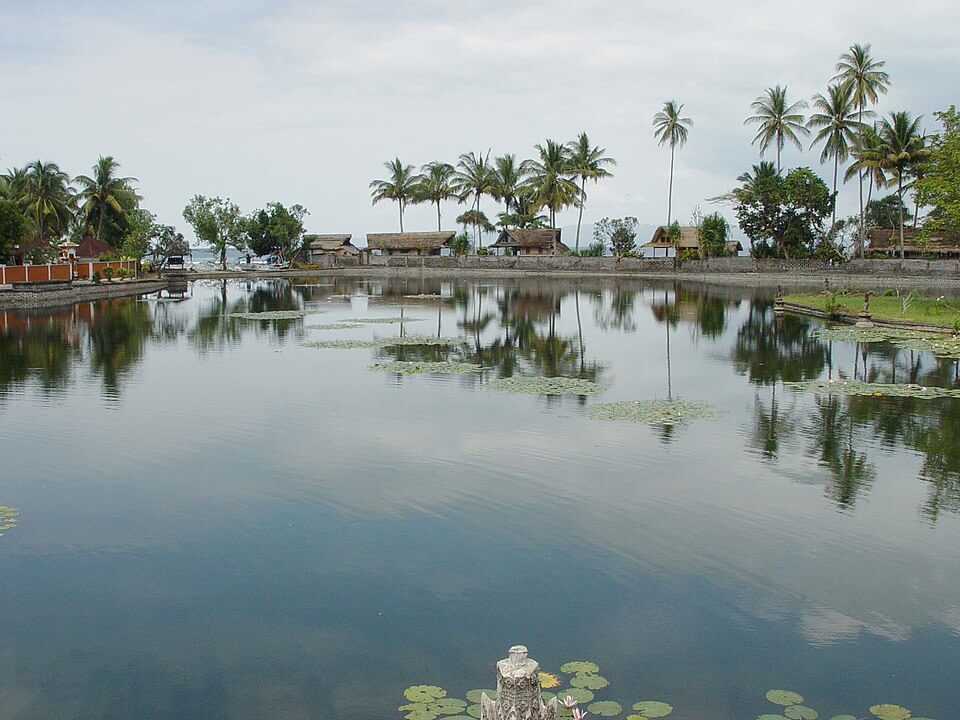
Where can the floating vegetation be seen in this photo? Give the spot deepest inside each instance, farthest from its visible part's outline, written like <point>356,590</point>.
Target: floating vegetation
<point>890,712</point>
<point>382,342</point>
<point>423,340</point>
<point>474,695</point>
<point>343,296</point>
<point>653,412</point>
<point>857,387</point>
<point>8,518</point>
<point>581,695</point>
<point>653,709</point>
<point>313,285</point>
<point>800,712</point>
<point>547,386</point>
<point>589,681</point>
<point>605,708</point>
<point>549,680</point>
<point>428,702</point>
<point>385,320</point>
<point>433,368</point>
<point>784,697</point>
<point>335,326</point>
<point>579,667</point>
<point>424,295</point>
<point>939,344</point>
<point>275,314</point>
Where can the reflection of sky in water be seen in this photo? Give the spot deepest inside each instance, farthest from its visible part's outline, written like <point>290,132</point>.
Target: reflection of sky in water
<point>217,521</point>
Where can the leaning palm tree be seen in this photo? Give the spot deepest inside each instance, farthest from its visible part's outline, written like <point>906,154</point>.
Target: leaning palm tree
<point>778,121</point>
<point>436,185</point>
<point>868,162</point>
<point>669,128</point>
<point>400,187</point>
<point>837,118</point>
<point>101,194</point>
<point>903,147</point>
<point>48,198</point>
<point>550,179</point>
<point>474,177</point>
<point>589,162</point>
<point>507,179</point>
<point>869,81</point>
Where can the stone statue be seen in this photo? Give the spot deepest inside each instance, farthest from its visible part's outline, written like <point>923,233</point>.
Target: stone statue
<point>518,691</point>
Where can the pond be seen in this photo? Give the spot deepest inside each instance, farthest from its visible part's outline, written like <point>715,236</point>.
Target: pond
<point>211,514</point>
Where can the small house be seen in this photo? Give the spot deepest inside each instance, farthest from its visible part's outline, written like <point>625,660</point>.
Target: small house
<point>413,243</point>
<point>886,241</point>
<point>90,249</point>
<point>531,241</point>
<point>689,240</point>
<point>68,251</point>
<point>320,246</point>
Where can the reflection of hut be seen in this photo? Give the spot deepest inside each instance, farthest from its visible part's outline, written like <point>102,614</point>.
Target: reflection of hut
<point>319,246</point>
<point>422,243</point>
<point>689,240</point>
<point>531,241</point>
<point>90,249</point>
<point>936,244</point>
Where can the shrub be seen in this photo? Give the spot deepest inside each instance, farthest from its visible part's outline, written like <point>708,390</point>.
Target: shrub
<point>833,307</point>
<point>108,273</point>
<point>483,251</point>
<point>594,249</point>
<point>96,277</point>
<point>689,254</point>
<point>714,230</point>
<point>460,245</point>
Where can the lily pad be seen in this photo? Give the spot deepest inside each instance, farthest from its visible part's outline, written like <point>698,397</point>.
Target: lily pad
<point>275,314</point>
<point>605,708</point>
<point>857,387</point>
<point>548,386</point>
<point>589,681</point>
<point>579,694</point>
<point>381,342</point>
<point>849,717</point>
<point>8,518</point>
<point>474,695</point>
<point>335,326</point>
<point>424,693</point>
<point>939,344</point>
<point>424,295</point>
<point>579,667</point>
<point>474,711</point>
<point>771,717</point>
<point>784,697</point>
<point>431,368</point>
<point>384,320</point>
<point>653,412</point>
<point>637,717</point>
<point>890,712</point>
<point>653,708</point>
<point>801,712</point>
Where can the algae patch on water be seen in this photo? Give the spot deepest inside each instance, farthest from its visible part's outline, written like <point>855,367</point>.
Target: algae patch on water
<point>547,386</point>
<point>858,387</point>
<point>427,368</point>
<point>653,412</point>
<point>335,326</point>
<point>382,342</point>
<point>8,518</point>
<point>385,320</point>
<point>275,314</point>
<point>937,343</point>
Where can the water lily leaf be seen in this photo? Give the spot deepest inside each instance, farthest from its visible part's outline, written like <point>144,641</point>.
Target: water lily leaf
<point>939,344</point>
<point>653,708</point>
<point>548,386</point>
<point>384,320</point>
<point>382,342</point>
<point>474,695</point>
<point>801,712</point>
<point>652,412</point>
<point>581,695</point>
<point>589,681</point>
<point>605,708</point>
<point>850,717</point>
<point>8,518</point>
<point>424,693</point>
<point>335,326</point>
<point>637,717</point>
<point>890,712</point>
<point>421,712</point>
<point>449,706</point>
<point>771,717</point>
<point>275,314</point>
<point>428,368</point>
<point>473,711</point>
<point>856,387</point>
<point>579,667</point>
<point>784,697</point>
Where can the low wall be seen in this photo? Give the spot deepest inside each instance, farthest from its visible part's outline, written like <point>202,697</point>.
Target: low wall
<point>10,274</point>
<point>77,293</point>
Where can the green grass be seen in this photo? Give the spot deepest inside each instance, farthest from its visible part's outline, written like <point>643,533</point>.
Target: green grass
<point>909,307</point>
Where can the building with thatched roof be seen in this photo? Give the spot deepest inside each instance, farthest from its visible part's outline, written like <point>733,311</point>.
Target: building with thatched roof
<point>412,243</point>
<point>319,246</point>
<point>689,240</point>
<point>90,248</point>
<point>531,241</point>
<point>886,241</point>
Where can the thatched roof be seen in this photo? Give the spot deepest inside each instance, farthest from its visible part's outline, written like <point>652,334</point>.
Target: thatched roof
<point>90,247</point>
<point>888,240</point>
<point>409,241</point>
<point>328,243</point>
<point>530,238</point>
<point>689,238</point>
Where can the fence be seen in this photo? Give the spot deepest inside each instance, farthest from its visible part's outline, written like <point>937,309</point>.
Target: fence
<point>10,274</point>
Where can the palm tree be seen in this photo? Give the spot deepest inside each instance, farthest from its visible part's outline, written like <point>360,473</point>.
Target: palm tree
<point>507,179</point>
<point>589,163</point>
<point>778,120</point>
<point>474,176</point>
<point>48,198</point>
<point>436,185</point>
<point>400,187</point>
<point>869,81</point>
<point>13,185</point>
<point>868,162</point>
<point>101,193</point>
<point>903,147</point>
<point>838,120</point>
<point>550,179</point>
<point>669,128</point>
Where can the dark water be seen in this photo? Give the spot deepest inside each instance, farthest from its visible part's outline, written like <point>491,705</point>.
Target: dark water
<point>218,522</point>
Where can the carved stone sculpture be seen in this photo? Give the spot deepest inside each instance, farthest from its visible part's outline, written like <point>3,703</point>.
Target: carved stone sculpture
<point>518,691</point>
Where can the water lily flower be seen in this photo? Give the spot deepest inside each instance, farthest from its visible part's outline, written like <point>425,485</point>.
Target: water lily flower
<point>579,714</point>
<point>569,702</point>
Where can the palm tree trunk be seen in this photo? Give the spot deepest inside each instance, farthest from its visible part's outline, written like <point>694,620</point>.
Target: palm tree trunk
<point>670,192</point>
<point>439,227</point>
<point>400,204</point>
<point>100,223</point>
<point>900,210</point>
<point>836,168</point>
<point>862,229</point>
<point>583,192</point>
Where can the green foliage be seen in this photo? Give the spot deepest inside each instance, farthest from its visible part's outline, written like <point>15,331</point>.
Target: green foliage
<point>275,229</point>
<point>605,708</point>
<point>885,212</point>
<point>141,227</point>
<point>216,222</point>
<point>890,712</point>
<point>594,249</point>
<point>653,708</point>
<point>167,242</point>
<point>460,245</point>
<point>940,184</point>
<point>714,230</point>
<point>400,187</point>
<point>579,667</point>
<point>108,272</point>
<point>476,219</point>
<point>778,121</point>
<point>14,226</point>
<point>619,234</point>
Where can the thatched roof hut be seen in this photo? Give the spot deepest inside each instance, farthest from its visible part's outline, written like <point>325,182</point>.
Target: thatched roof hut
<point>689,240</point>
<point>91,249</point>
<point>939,244</point>
<point>340,245</point>
<point>412,243</point>
<point>531,241</point>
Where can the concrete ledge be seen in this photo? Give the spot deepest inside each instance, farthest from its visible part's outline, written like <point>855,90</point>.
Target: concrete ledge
<point>78,292</point>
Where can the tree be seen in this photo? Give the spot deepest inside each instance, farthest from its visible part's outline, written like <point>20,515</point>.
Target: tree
<point>216,222</point>
<point>588,162</point>
<point>838,120</point>
<point>275,229</point>
<point>436,185</point>
<point>167,242</point>
<point>100,194</point>
<point>524,215</point>
<point>48,198</point>
<point>140,232</point>
<point>778,121</point>
<point>714,230</point>
<point>669,128</point>
<point>14,226</point>
<point>507,179</point>
<point>477,220</point>
<point>474,176</point>
<point>868,162</point>
<point>885,212</point>
<point>460,245</point>
<point>868,81</point>
<point>903,147</point>
<point>618,233</point>
<point>400,187</point>
<point>550,178</point>
<point>940,184</point>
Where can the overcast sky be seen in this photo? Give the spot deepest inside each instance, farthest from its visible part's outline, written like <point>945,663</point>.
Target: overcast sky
<point>304,101</point>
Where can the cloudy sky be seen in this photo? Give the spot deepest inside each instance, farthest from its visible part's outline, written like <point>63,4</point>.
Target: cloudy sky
<point>303,101</point>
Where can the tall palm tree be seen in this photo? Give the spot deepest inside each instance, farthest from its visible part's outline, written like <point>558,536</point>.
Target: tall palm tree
<point>669,128</point>
<point>778,120</point>
<point>507,179</point>
<point>400,187</point>
<point>903,147</point>
<point>550,178</point>
<point>839,121</point>
<point>869,81</point>
<point>868,162</point>
<point>101,193</point>
<point>589,162</point>
<point>474,177</point>
<point>436,185</point>
<point>48,198</point>
<point>13,185</point>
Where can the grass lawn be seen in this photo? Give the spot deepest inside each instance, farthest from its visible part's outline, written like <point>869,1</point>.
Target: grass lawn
<point>909,307</point>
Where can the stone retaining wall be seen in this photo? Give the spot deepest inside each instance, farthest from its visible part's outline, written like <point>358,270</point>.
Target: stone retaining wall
<point>77,293</point>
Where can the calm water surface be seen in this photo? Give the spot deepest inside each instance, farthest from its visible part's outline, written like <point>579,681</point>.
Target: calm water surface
<point>218,522</point>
